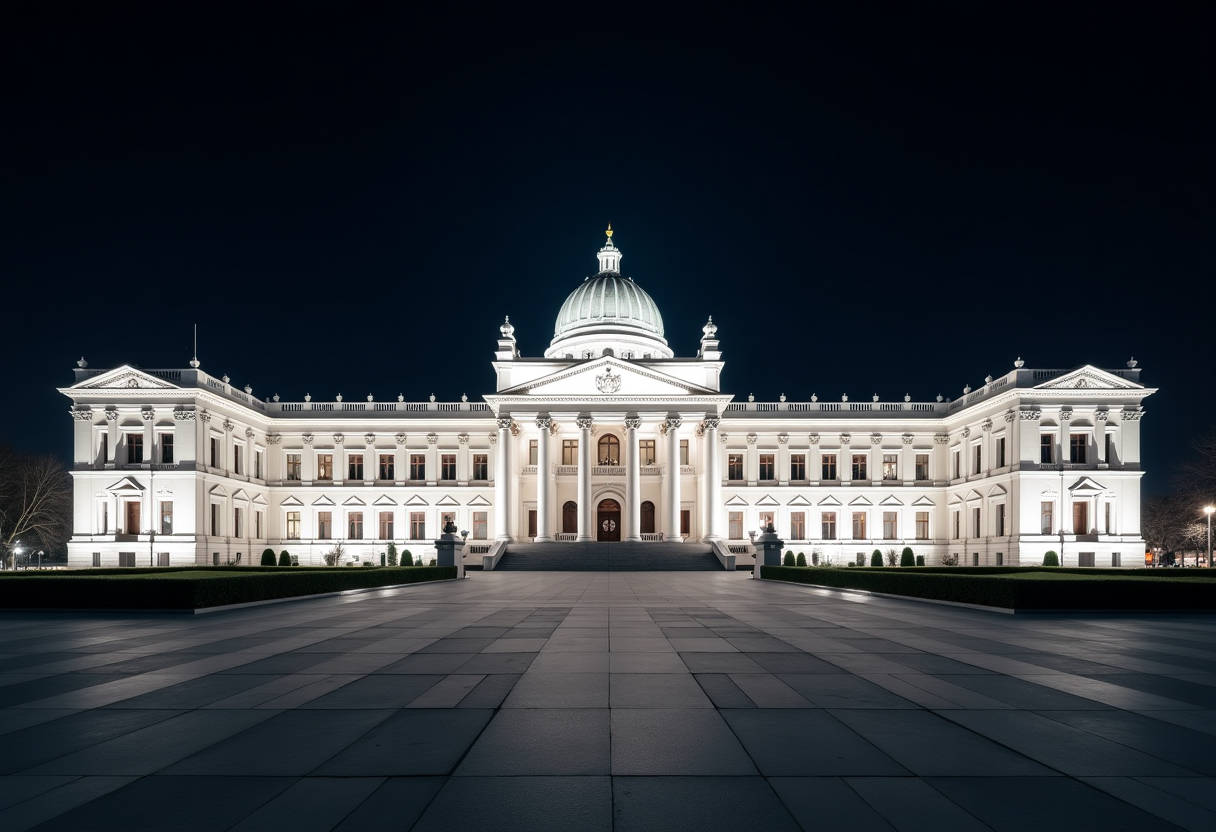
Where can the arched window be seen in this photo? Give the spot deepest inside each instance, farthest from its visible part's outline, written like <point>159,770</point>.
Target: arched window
<point>647,517</point>
<point>570,518</point>
<point>609,450</point>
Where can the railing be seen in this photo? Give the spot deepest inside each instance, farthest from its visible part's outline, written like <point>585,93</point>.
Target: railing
<point>725,555</point>
<point>528,469</point>
<point>566,470</point>
<point>494,554</point>
<point>739,549</point>
<point>608,470</point>
<point>360,407</point>
<point>687,469</point>
<point>651,470</point>
<point>565,537</point>
<point>652,537</point>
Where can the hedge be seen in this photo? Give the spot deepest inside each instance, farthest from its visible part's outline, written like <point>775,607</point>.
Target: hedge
<point>1036,589</point>
<point>194,588</point>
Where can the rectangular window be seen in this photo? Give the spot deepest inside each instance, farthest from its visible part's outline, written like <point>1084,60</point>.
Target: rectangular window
<point>354,466</point>
<point>445,518</point>
<point>481,525</point>
<point>798,525</point>
<point>126,559</point>
<point>103,447</point>
<point>828,464</point>
<point>683,451</point>
<point>798,468</point>
<point>481,467</point>
<point>166,517</point>
<point>386,525</point>
<point>418,467</point>
<point>734,466</point>
<point>97,558</point>
<point>1046,448</point>
<point>859,467</point>
<point>162,558</point>
<point>1080,518</point>
<point>922,525</point>
<point>215,520</point>
<point>766,519</point>
<point>956,463</point>
<point>859,525</point>
<point>1106,452</point>
<point>103,522</point>
<point>1000,452</point>
<point>325,466</point>
<point>532,451</point>
<point>975,558</point>
<point>447,466</point>
<point>735,525</point>
<point>890,525</point>
<point>976,530</point>
<point>216,454</point>
<point>258,457</point>
<point>135,448</point>
<point>417,525</point>
<point>236,457</point>
<point>388,466</point>
<point>977,459</point>
<point>768,467</point>
<point>1116,559</point>
<point>890,466</point>
<point>1000,558</point>
<point>922,467</point>
<point>257,524</point>
<point>354,523</point>
<point>828,522</point>
<point>569,452</point>
<point>236,522</point>
<point>1046,523</point>
<point>1107,528</point>
<point>293,466</point>
<point>999,521</point>
<point>956,531</point>
<point>166,448</point>
<point>325,525</point>
<point>293,525</point>
<point>1076,448</point>
<point>1085,559</point>
<point>685,522</point>
<point>646,452</point>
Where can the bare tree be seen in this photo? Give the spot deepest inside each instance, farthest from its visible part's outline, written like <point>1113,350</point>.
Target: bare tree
<point>1197,476</point>
<point>35,502</point>
<point>334,556</point>
<point>892,557</point>
<point>1163,521</point>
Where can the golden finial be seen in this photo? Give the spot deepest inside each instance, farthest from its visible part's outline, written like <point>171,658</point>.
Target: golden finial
<point>609,232</point>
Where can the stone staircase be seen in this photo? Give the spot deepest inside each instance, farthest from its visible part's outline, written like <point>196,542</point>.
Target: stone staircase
<point>609,557</point>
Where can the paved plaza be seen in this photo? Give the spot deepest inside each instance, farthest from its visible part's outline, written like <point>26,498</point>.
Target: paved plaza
<point>597,701</point>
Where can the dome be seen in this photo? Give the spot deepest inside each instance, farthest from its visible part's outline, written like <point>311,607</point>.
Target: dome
<point>609,315</point>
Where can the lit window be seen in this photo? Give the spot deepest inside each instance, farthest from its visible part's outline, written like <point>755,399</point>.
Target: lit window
<point>609,450</point>
<point>859,525</point>
<point>922,467</point>
<point>355,525</point>
<point>354,467</point>
<point>735,525</point>
<point>417,525</point>
<point>480,525</point>
<point>859,466</point>
<point>734,467</point>
<point>890,525</point>
<point>646,452</point>
<point>1046,521</point>
<point>481,466</point>
<point>922,525</point>
<point>386,525</point>
<point>797,525</point>
<point>890,466</point>
<point>166,517</point>
<point>293,466</point>
<point>325,525</point>
<point>683,451</point>
<point>828,522</point>
<point>325,466</point>
<point>569,452</point>
<point>532,451</point>
<point>293,525</point>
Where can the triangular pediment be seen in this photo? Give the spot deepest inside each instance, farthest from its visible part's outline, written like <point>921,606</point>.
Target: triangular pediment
<point>954,500</point>
<point>124,377</point>
<point>125,484</point>
<point>829,501</point>
<point>1086,485</point>
<point>973,495</point>
<point>607,377</point>
<point>478,501</point>
<point>240,494</point>
<point>890,500</point>
<point>291,501</point>
<point>384,500</point>
<point>448,500</point>
<point>997,491</point>
<point>799,501</point>
<point>767,500</point>
<point>353,501</point>
<point>923,501</point>
<point>860,501</point>
<point>323,501</point>
<point>259,500</point>
<point>218,491</point>
<point>416,501</point>
<point>736,501</point>
<point>1088,376</point>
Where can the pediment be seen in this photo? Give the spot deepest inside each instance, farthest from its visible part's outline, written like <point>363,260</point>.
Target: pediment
<point>353,501</point>
<point>125,377</point>
<point>923,501</point>
<point>767,500</point>
<point>416,501</point>
<point>384,500</point>
<point>997,491</point>
<point>829,501</point>
<point>323,501</point>
<point>954,500</point>
<point>973,495</point>
<point>607,376</point>
<point>291,501</point>
<point>1088,376</point>
<point>736,501</point>
<point>1087,485</point>
<point>890,500</point>
<point>259,500</point>
<point>240,494</point>
<point>478,501</point>
<point>860,501</point>
<point>125,484</point>
<point>799,501</point>
<point>218,491</point>
<point>448,500</point>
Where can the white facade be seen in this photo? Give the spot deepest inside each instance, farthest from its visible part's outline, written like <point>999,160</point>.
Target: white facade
<point>609,436</point>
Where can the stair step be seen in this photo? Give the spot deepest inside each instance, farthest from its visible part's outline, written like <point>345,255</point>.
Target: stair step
<point>608,557</point>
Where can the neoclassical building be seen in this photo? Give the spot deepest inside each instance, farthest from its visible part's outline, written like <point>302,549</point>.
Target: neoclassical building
<point>609,436</point>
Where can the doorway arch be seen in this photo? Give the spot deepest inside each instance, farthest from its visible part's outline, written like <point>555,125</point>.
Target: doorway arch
<point>570,518</point>
<point>647,517</point>
<point>608,521</point>
<point>609,450</point>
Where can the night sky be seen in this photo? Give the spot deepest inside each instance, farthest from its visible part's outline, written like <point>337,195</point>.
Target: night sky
<point>868,198</point>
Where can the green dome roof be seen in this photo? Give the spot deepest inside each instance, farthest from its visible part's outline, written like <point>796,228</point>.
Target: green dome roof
<point>609,301</point>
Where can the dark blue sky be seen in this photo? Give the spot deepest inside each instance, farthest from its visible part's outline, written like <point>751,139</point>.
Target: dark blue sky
<point>868,198</point>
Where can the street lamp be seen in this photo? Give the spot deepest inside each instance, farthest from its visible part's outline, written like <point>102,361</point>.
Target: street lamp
<point>16,554</point>
<point>40,560</point>
<point>1208,511</point>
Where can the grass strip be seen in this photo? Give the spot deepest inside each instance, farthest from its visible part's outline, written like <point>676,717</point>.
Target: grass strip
<point>195,588</point>
<point>1018,589</point>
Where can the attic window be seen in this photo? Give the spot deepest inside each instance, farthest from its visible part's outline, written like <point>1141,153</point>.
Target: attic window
<point>608,351</point>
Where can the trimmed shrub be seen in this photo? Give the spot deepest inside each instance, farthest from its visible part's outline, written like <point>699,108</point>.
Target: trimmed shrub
<point>391,554</point>
<point>1050,558</point>
<point>407,559</point>
<point>788,560</point>
<point>920,560</point>
<point>861,558</point>
<point>815,558</point>
<point>906,558</point>
<point>801,560</point>
<point>284,558</point>
<point>268,557</point>
<point>876,558</point>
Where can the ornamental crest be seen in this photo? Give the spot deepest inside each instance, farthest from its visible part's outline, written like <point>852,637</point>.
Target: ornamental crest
<point>608,382</point>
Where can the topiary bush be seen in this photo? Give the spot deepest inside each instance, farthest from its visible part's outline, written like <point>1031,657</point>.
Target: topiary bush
<point>920,560</point>
<point>268,557</point>
<point>283,554</point>
<point>906,558</point>
<point>284,558</point>
<point>788,560</point>
<point>407,559</point>
<point>1050,558</point>
<point>876,558</point>
<point>815,557</point>
<point>801,560</point>
<point>391,554</point>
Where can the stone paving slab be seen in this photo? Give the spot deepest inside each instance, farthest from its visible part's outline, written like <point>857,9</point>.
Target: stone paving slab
<point>625,701</point>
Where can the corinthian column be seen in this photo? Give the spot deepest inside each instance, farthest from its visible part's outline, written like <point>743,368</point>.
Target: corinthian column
<point>544,481</point>
<point>584,480</point>
<point>633,481</point>
<point>502,492</point>
<point>673,479</point>
<point>713,494</point>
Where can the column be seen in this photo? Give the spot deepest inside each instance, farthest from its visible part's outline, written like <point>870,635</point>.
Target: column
<point>673,479</point>
<point>713,508</point>
<point>544,481</point>
<point>502,493</point>
<point>586,520</point>
<point>633,481</point>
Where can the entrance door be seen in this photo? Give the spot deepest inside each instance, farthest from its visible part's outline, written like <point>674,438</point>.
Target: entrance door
<point>608,521</point>
<point>132,518</point>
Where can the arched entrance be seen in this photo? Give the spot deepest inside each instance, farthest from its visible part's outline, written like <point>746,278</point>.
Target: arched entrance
<point>647,517</point>
<point>570,518</point>
<point>608,521</point>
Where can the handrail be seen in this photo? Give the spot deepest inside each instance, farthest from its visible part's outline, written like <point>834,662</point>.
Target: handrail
<point>489,560</point>
<point>724,555</point>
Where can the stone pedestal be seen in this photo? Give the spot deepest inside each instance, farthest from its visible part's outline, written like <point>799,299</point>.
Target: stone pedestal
<point>768,549</point>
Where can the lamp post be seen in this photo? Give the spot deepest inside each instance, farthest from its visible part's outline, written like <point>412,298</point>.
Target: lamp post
<point>1208,554</point>
<point>1060,465</point>
<point>39,560</point>
<point>16,554</point>
<point>151,514</point>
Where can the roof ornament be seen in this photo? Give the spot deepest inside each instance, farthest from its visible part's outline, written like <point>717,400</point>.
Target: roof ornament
<point>1017,365</point>
<point>710,329</point>
<point>609,232</point>
<point>507,329</point>
<point>194,362</point>
<point>1131,363</point>
<point>82,364</point>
